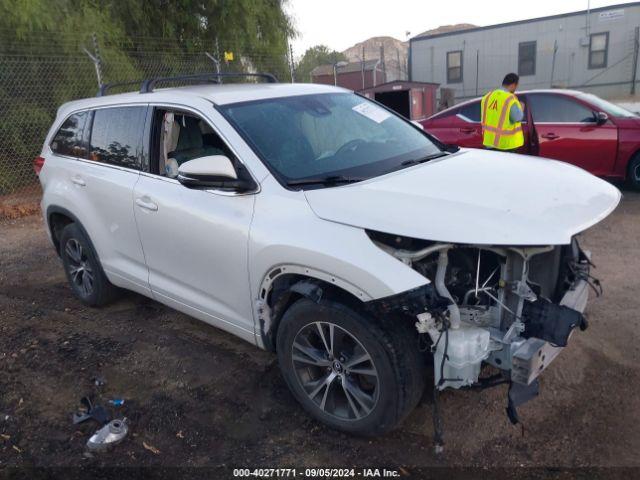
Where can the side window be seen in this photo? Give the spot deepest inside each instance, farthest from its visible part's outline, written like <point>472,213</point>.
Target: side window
<point>527,58</point>
<point>117,135</point>
<point>470,112</point>
<point>454,66</point>
<point>181,137</point>
<point>70,138</point>
<point>558,109</point>
<point>598,47</point>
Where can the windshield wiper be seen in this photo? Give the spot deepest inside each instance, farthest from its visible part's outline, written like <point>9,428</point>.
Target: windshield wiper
<point>416,161</point>
<point>328,180</point>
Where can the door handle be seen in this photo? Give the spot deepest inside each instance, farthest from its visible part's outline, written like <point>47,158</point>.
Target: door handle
<point>550,136</point>
<point>147,205</point>
<point>78,181</point>
<point>467,130</point>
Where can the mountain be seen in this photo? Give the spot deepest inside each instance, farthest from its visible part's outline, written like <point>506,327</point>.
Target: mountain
<point>395,55</point>
<point>447,28</point>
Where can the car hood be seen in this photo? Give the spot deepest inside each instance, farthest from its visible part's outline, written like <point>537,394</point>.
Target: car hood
<point>474,197</point>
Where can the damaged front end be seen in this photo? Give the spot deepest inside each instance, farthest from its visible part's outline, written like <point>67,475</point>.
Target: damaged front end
<point>511,307</point>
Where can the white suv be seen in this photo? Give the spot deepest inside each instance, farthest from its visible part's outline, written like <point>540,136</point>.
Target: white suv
<point>315,223</point>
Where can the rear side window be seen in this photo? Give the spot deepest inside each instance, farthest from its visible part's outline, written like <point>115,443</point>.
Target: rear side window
<point>471,111</point>
<point>117,135</point>
<point>558,109</point>
<point>70,138</point>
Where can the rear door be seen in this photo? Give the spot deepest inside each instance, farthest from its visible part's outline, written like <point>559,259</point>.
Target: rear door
<point>107,178</point>
<point>458,126</point>
<point>567,130</point>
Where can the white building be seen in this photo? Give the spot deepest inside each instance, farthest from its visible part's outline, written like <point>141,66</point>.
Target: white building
<point>593,50</point>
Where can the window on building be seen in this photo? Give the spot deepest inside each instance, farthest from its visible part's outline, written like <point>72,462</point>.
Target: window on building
<point>70,139</point>
<point>116,136</point>
<point>598,48</point>
<point>527,58</point>
<point>558,109</point>
<point>454,66</point>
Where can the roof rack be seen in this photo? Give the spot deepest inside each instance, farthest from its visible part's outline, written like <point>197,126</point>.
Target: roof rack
<point>147,85</point>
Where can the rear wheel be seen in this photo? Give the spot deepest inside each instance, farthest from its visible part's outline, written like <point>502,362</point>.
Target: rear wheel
<point>346,370</point>
<point>83,270</point>
<point>633,174</point>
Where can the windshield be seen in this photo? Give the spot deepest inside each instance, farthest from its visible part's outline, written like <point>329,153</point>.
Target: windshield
<point>608,107</point>
<point>328,135</point>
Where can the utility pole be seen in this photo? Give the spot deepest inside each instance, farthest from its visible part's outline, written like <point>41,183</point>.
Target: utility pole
<point>291,67</point>
<point>384,66</point>
<point>362,60</point>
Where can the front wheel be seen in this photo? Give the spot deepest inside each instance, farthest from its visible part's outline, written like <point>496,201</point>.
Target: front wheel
<point>346,370</point>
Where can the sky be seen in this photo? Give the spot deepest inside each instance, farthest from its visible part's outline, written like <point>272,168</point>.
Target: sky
<point>343,23</point>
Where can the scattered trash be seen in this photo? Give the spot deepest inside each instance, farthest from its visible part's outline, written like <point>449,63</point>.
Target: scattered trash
<point>16,449</point>
<point>151,448</point>
<point>99,381</point>
<point>93,412</point>
<point>117,402</point>
<point>180,434</point>
<point>111,434</point>
<point>5,437</point>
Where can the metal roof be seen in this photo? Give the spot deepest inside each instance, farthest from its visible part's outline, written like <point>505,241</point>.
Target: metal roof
<point>521,22</point>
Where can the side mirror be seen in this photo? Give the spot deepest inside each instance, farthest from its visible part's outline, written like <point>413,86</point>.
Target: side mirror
<point>601,118</point>
<point>213,171</point>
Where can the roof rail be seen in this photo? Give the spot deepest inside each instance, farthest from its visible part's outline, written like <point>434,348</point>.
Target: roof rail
<point>105,87</point>
<point>147,85</point>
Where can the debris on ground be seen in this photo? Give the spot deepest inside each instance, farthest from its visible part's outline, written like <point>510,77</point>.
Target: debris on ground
<point>91,411</point>
<point>111,434</point>
<point>151,448</point>
<point>116,402</point>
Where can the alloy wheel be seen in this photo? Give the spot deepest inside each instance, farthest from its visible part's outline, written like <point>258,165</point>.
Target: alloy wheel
<point>335,371</point>
<point>80,270</point>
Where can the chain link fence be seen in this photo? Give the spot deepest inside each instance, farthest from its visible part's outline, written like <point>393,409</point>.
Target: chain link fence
<point>35,81</point>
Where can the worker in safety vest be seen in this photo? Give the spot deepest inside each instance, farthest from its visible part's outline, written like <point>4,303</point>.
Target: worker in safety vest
<point>501,117</point>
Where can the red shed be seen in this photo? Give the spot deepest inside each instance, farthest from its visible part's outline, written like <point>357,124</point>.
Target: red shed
<point>414,100</point>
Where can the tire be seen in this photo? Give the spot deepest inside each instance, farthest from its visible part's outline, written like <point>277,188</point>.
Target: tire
<point>392,381</point>
<point>633,172</point>
<point>83,270</point>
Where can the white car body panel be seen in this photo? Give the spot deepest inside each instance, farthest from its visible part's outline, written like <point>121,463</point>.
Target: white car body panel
<point>474,197</point>
<point>286,231</point>
<point>104,207</point>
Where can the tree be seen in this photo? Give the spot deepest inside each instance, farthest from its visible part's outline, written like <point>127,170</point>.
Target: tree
<point>315,56</point>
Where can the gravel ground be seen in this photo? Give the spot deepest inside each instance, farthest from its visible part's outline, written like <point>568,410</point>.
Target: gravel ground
<point>196,396</point>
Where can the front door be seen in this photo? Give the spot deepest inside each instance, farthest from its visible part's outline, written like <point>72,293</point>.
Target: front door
<point>195,241</point>
<point>567,130</point>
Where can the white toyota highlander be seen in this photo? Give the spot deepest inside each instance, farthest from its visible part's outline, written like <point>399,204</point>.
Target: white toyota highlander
<point>315,223</point>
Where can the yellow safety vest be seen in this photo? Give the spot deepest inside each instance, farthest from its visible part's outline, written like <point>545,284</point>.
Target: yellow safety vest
<point>497,129</point>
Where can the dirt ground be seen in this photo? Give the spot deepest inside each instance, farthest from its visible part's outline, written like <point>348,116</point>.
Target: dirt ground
<point>196,396</point>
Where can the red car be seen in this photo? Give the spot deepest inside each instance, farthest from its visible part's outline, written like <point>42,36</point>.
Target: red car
<point>575,127</point>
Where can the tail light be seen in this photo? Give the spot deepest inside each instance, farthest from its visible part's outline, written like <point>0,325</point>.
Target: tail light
<point>38,163</point>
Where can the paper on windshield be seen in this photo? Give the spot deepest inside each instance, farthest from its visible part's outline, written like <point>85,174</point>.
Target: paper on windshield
<point>372,112</point>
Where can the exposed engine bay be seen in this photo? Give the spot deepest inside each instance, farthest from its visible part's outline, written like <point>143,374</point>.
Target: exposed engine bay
<point>511,307</point>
